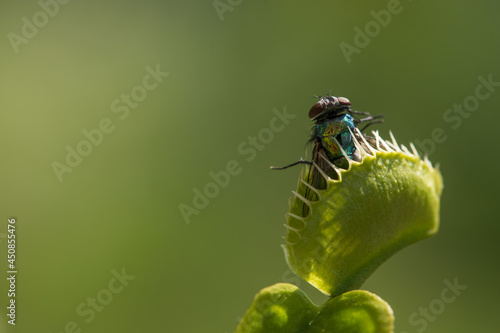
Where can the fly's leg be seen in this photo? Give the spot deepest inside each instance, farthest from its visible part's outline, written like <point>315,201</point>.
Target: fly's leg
<point>301,161</point>
<point>370,121</point>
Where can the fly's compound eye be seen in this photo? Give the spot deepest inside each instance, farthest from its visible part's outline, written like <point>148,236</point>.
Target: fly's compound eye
<point>316,110</point>
<point>344,101</point>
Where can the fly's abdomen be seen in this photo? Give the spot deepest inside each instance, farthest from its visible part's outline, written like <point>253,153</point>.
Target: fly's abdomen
<point>337,128</point>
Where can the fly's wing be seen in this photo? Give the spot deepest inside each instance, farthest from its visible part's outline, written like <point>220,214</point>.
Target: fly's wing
<point>315,177</point>
<point>370,140</point>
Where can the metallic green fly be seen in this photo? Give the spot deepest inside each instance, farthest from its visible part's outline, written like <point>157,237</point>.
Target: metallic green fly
<point>335,125</point>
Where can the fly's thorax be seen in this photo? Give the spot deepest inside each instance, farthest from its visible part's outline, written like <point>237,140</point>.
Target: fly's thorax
<point>334,126</point>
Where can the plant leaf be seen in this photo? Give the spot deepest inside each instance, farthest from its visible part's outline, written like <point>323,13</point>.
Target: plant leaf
<point>280,308</point>
<point>356,311</point>
<point>374,209</point>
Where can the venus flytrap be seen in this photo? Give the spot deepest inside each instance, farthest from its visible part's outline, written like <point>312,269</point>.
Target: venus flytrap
<point>337,236</point>
<point>376,207</point>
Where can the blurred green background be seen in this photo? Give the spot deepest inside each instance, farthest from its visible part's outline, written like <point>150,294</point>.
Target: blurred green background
<point>228,69</point>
